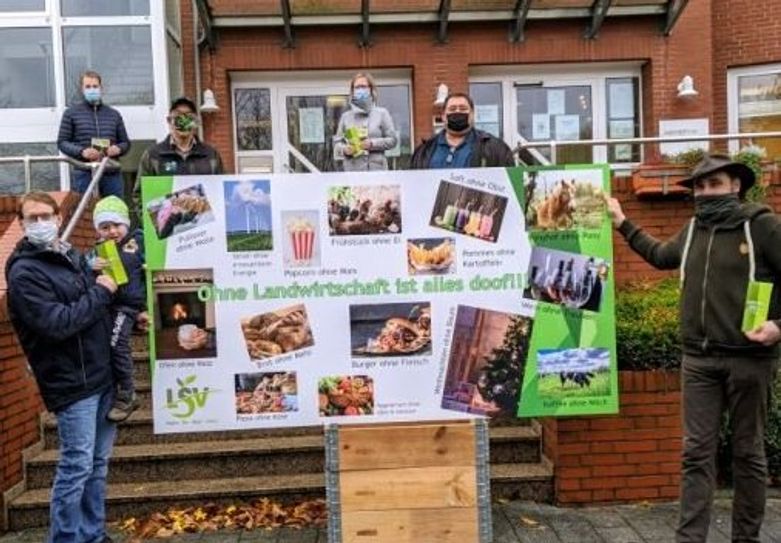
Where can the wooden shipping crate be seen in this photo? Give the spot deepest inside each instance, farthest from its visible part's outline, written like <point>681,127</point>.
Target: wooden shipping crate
<point>408,483</point>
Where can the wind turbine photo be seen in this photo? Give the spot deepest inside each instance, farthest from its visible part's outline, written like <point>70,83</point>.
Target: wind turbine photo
<point>248,216</point>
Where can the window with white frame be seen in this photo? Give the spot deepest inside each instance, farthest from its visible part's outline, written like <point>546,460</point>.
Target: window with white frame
<point>44,47</point>
<point>122,55</point>
<point>561,103</point>
<point>26,68</point>
<point>44,175</point>
<point>754,104</point>
<point>173,42</point>
<point>103,8</point>
<point>19,6</point>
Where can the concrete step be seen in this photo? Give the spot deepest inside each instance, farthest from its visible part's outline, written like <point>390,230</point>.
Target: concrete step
<point>144,393</point>
<point>527,482</point>
<point>138,430</point>
<point>198,460</point>
<point>252,456</point>
<point>141,367</point>
<point>31,509</point>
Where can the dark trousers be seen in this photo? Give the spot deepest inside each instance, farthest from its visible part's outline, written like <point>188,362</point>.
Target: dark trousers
<point>110,184</point>
<point>742,387</point>
<point>121,350</point>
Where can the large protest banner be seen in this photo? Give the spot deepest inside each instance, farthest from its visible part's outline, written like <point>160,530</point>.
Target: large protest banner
<point>292,300</point>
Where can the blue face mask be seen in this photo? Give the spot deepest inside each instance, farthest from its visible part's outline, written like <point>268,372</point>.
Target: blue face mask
<point>41,233</point>
<point>92,95</point>
<point>362,98</point>
<point>361,94</point>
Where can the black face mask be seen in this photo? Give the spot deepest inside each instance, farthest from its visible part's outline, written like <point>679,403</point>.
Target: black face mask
<point>457,122</point>
<point>715,208</point>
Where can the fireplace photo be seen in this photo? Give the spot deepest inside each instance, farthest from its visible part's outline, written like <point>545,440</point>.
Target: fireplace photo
<point>184,325</point>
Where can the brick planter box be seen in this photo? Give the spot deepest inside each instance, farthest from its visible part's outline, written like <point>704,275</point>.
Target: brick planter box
<point>632,456</point>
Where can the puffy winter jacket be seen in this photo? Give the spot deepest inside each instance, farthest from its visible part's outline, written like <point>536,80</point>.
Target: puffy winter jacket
<point>715,266</point>
<point>61,317</point>
<point>83,121</point>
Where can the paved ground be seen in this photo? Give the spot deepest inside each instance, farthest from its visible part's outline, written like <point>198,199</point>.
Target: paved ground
<point>524,522</point>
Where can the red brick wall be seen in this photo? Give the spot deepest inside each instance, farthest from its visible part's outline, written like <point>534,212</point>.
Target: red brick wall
<point>188,50</point>
<point>19,401</point>
<point>633,456</point>
<point>20,404</point>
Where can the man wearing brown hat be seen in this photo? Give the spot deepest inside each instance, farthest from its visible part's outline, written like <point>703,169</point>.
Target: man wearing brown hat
<point>726,245</point>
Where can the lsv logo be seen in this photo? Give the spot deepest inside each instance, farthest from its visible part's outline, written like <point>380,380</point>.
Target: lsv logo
<point>187,399</point>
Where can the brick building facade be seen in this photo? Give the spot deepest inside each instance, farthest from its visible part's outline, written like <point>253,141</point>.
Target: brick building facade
<point>711,38</point>
<point>699,46</point>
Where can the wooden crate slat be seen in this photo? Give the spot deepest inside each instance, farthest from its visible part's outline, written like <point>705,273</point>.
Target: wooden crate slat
<point>409,488</point>
<point>448,525</point>
<point>400,446</point>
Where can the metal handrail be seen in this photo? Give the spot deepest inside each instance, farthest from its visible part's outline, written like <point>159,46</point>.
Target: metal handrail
<point>27,161</point>
<point>553,145</point>
<point>97,174</point>
<point>98,168</point>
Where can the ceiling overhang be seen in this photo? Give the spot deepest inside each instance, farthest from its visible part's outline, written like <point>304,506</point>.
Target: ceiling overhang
<point>366,14</point>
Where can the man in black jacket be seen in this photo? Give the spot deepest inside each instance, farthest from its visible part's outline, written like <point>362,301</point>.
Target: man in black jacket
<point>181,153</point>
<point>90,130</point>
<point>60,314</point>
<point>460,144</point>
<point>727,245</point>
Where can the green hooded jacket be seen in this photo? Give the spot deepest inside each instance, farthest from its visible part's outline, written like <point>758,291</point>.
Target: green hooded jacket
<point>715,276</point>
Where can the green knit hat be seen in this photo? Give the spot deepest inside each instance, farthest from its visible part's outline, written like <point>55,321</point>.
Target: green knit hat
<point>111,209</point>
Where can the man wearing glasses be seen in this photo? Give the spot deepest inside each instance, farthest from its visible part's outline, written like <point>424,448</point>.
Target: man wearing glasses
<point>460,144</point>
<point>61,315</point>
<point>181,153</point>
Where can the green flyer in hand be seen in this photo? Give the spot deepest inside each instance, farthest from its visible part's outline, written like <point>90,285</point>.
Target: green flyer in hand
<point>107,250</point>
<point>757,305</point>
<point>355,136</point>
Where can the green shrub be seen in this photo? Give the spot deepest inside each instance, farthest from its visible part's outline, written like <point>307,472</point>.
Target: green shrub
<point>647,334</point>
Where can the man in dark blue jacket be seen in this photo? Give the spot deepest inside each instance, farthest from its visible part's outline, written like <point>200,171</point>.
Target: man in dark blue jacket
<point>90,130</point>
<point>61,316</point>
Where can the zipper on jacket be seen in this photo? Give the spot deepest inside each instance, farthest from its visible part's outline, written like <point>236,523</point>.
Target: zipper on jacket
<point>81,359</point>
<point>705,289</point>
<point>97,123</point>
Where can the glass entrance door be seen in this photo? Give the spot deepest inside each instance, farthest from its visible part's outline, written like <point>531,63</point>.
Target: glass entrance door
<point>557,113</point>
<point>286,122</point>
<point>312,117</point>
<point>310,124</point>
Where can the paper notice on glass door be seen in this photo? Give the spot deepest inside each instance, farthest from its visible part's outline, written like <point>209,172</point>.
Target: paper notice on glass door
<point>540,126</point>
<point>622,100</point>
<point>311,125</point>
<point>487,114</point>
<point>622,129</point>
<point>556,102</point>
<point>567,127</point>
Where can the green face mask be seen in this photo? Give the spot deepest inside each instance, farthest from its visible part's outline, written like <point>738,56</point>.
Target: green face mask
<point>185,123</point>
<point>715,208</point>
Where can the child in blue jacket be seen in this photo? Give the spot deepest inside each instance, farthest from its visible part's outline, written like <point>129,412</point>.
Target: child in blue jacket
<point>112,222</point>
